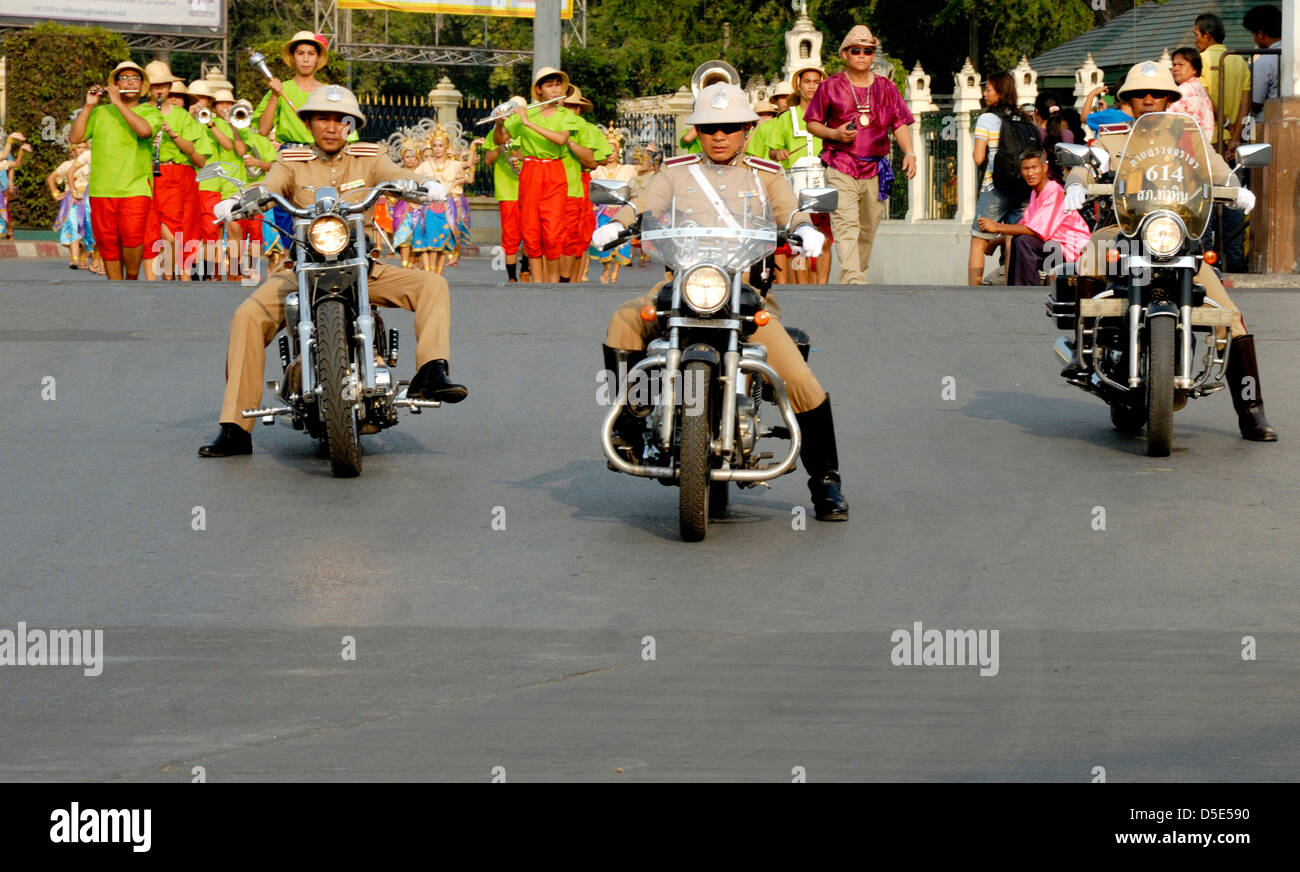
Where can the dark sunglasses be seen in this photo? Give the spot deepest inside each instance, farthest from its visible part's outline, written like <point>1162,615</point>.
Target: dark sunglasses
<point>710,129</point>
<point>1142,95</point>
<point>862,51</point>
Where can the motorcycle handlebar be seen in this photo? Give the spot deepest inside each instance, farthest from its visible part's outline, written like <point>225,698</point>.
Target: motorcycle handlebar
<point>345,207</point>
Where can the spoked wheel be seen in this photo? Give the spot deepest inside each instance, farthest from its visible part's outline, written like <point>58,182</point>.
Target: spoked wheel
<point>1160,386</point>
<point>694,487</point>
<point>342,431</point>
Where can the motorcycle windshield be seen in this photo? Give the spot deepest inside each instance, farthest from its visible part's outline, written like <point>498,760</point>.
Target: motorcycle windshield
<point>1165,166</point>
<point>721,217</point>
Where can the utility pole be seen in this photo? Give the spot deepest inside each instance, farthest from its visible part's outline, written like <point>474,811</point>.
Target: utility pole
<point>546,35</point>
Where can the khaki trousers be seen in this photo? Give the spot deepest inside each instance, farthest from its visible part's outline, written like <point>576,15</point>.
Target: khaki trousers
<point>629,332</point>
<point>261,316</point>
<point>854,223</point>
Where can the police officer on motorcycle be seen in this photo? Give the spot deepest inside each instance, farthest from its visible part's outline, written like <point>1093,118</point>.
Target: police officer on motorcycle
<point>722,118</point>
<point>331,113</point>
<point>1149,87</point>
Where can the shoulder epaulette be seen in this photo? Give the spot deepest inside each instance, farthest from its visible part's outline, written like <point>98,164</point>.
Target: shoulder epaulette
<point>364,149</point>
<point>759,163</point>
<point>295,154</point>
<point>1108,129</point>
<point>681,160</point>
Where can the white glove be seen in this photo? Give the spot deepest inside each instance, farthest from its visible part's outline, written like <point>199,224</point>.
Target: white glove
<point>1103,159</point>
<point>1074,196</point>
<point>222,210</point>
<point>436,190</point>
<point>1245,200</point>
<point>810,239</point>
<point>605,234</point>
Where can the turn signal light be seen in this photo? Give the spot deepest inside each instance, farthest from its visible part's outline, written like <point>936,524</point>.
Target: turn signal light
<point>1211,257</point>
<point>761,317</point>
<point>1112,255</point>
<point>648,313</point>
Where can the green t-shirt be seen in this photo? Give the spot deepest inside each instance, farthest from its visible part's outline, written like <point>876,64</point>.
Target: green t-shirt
<point>781,134</point>
<point>258,146</point>
<point>533,144</point>
<point>505,184</point>
<point>121,163</point>
<point>227,158</point>
<point>588,136</point>
<point>288,126</point>
<point>186,127</point>
<point>757,144</point>
<point>692,147</point>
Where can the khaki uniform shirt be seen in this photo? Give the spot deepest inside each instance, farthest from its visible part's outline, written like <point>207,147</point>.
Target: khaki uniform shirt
<point>301,172</point>
<point>676,179</point>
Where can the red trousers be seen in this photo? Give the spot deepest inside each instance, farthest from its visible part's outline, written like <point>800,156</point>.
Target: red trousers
<point>118,223</point>
<point>543,189</point>
<point>209,227</point>
<point>510,235</point>
<point>176,197</point>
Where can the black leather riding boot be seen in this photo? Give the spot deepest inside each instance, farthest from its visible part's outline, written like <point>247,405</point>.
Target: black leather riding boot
<point>232,440</point>
<point>821,460</point>
<point>432,383</point>
<point>1243,383</point>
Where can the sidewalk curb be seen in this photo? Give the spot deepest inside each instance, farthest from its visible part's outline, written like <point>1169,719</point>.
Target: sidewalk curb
<point>31,249</point>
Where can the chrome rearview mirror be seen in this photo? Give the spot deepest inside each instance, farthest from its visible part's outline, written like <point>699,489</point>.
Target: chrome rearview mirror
<point>1259,154</point>
<point>1069,154</point>
<point>818,199</point>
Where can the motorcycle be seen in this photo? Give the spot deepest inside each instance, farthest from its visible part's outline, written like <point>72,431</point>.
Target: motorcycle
<point>337,359</point>
<point>702,361</point>
<point>1131,300</point>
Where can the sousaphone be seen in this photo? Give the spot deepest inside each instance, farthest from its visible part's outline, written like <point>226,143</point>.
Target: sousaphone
<point>711,73</point>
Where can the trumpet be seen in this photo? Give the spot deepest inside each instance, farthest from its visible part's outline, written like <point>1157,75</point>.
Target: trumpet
<point>506,109</point>
<point>241,114</point>
<point>203,116</point>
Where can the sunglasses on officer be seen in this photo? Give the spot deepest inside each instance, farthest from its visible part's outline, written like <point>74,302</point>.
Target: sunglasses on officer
<point>710,129</point>
<point>862,51</point>
<point>1142,95</point>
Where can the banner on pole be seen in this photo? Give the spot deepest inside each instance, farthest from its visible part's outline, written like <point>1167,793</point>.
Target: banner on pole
<point>503,8</point>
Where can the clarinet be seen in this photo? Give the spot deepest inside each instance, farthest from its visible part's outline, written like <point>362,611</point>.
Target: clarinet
<point>157,145</point>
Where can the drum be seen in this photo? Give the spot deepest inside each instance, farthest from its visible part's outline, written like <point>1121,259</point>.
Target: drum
<point>807,172</point>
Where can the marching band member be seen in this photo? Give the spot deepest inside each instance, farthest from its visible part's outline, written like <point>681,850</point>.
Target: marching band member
<point>543,134</point>
<point>504,160</point>
<point>587,149</point>
<point>181,146</point>
<point>788,142</point>
<point>121,173</point>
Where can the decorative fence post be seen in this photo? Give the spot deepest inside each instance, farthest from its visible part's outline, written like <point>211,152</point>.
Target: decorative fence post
<point>680,106</point>
<point>918,102</point>
<point>1026,82</point>
<point>445,99</point>
<point>966,101</point>
<point>1086,78</point>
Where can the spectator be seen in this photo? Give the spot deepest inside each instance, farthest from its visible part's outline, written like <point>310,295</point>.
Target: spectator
<point>1095,119</point>
<point>855,112</point>
<point>1265,25</point>
<point>1046,224</point>
<point>1051,129</point>
<point>1233,88</point>
<point>1195,101</point>
<point>993,204</point>
<point>1074,122</point>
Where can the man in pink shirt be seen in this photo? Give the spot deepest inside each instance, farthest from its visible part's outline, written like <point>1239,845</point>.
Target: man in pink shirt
<point>1046,224</point>
<point>854,112</point>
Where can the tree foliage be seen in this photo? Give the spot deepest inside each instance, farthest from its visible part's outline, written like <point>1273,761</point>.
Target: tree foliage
<point>48,69</point>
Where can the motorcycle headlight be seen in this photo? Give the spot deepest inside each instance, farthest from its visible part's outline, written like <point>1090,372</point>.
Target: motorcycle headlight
<point>706,289</point>
<point>328,234</point>
<point>1162,236</point>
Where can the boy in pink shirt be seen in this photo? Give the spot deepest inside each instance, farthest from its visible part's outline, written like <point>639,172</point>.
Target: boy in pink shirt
<point>1046,224</point>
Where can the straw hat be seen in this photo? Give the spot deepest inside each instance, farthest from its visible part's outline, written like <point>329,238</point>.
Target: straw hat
<point>763,106</point>
<point>782,89</point>
<point>178,87</point>
<point>806,66</point>
<point>131,65</point>
<point>200,88</point>
<point>859,35</point>
<point>286,53</point>
<point>1149,76</point>
<point>158,72</point>
<point>332,98</point>
<point>221,95</point>
<point>575,98</point>
<point>543,73</point>
<point>721,104</point>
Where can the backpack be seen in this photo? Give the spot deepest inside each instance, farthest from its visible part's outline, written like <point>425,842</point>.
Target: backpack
<point>1017,137</point>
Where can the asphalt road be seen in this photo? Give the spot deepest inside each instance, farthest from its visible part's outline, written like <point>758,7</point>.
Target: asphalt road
<point>528,648</point>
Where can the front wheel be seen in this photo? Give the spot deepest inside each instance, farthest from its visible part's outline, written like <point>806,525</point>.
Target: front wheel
<point>693,482</point>
<point>1160,386</point>
<point>342,432</point>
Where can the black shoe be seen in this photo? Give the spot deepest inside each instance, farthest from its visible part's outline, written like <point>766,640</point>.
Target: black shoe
<point>232,440</point>
<point>431,384</point>
<point>1243,383</point>
<point>821,460</point>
